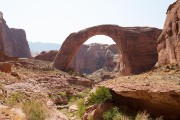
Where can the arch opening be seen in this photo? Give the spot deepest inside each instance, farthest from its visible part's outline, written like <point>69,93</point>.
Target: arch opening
<point>98,52</point>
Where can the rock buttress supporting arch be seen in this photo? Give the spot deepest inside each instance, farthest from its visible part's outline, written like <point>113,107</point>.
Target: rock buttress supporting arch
<point>137,46</point>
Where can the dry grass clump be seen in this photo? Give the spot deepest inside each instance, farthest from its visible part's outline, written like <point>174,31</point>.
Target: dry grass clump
<point>34,110</point>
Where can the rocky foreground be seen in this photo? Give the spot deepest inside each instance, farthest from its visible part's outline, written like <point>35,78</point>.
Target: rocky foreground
<point>157,91</point>
<point>32,81</point>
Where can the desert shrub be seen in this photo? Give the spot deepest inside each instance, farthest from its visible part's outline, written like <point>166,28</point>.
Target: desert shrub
<point>72,99</point>
<point>145,116</point>
<point>63,94</point>
<point>81,107</point>
<point>101,95</point>
<point>121,116</point>
<point>34,110</point>
<point>15,98</point>
<point>80,95</point>
<point>115,114</point>
<point>142,116</point>
<point>110,114</point>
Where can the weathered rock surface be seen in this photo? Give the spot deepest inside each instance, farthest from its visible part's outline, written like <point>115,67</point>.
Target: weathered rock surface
<point>5,67</point>
<point>156,92</point>
<point>96,56</point>
<point>136,44</point>
<point>47,55</point>
<point>90,58</point>
<point>95,112</point>
<point>169,40</point>
<point>13,41</point>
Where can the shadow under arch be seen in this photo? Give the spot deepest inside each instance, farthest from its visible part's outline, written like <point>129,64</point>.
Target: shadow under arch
<point>124,37</point>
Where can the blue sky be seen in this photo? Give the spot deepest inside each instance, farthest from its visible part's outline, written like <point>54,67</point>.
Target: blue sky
<point>53,20</point>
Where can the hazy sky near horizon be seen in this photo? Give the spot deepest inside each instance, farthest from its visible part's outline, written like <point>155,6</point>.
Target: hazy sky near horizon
<point>53,20</point>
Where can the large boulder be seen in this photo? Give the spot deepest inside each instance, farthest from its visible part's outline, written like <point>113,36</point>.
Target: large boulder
<point>156,92</point>
<point>169,40</point>
<point>46,55</point>
<point>5,67</point>
<point>13,41</point>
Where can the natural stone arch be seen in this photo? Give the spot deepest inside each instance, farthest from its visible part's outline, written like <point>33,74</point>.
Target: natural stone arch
<point>127,39</point>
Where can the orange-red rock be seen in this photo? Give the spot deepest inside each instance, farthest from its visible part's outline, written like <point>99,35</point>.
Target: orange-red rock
<point>5,67</point>
<point>46,55</point>
<point>136,44</point>
<point>96,111</point>
<point>169,40</point>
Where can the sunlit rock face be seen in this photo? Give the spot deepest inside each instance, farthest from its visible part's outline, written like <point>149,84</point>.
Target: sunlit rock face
<point>137,46</point>
<point>13,41</point>
<point>169,40</point>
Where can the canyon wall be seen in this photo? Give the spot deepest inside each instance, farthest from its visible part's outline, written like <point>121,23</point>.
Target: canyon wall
<point>169,41</point>
<point>13,41</point>
<point>93,57</point>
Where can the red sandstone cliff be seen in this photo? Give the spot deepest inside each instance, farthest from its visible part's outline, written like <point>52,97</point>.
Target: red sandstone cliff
<point>169,40</point>
<point>13,41</point>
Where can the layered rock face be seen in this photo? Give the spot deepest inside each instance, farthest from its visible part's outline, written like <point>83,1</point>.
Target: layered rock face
<point>90,58</point>
<point>96,56</point>
<point>13,41</point>
<point>169,40</point>
<point>137,46</point>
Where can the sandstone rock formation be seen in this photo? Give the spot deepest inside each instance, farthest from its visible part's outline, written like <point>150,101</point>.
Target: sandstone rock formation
<point>13,41</point>
<point>157,92</point>
<point>90,58</point>
<point>93,57</point>
<point>5,67</point>
<point>169,40</point>
<point>47,55</point>
<point>136,44</point>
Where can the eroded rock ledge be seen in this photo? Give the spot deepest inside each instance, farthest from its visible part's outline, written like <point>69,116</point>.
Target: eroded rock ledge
<point>158,94</point>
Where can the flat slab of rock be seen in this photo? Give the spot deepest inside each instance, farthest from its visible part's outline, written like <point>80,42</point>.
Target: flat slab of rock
<point>156,92</point>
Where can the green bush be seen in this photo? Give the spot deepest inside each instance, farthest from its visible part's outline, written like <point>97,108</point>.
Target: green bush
<point>81,107</point>
<point>142,116</point>
<point>110,114</point>
<point>34,110</point>
<point>115,114</point>
<point>101,95</point>
<point>121,116</point>
<point>145,116</point>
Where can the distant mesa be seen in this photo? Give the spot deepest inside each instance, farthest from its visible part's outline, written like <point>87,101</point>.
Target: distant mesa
<point>136,44</point>
<point>39,46</point>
